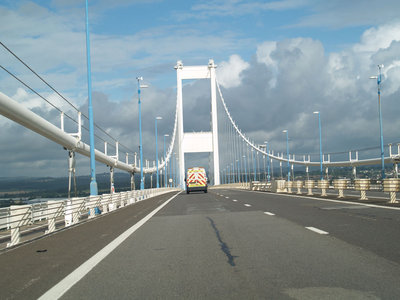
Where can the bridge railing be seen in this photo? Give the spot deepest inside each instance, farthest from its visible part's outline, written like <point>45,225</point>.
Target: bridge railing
<point>33,220</point>
<point>362,185</point>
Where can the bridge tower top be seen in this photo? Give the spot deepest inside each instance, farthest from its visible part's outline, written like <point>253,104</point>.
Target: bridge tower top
<point>196,142</point>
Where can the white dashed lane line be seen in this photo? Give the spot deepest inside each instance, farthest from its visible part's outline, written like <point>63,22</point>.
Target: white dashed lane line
<point>226,197</point>
<point>234,200</point>
<point>247,205</point>
<point>269,213</point>
<point>317,230</point>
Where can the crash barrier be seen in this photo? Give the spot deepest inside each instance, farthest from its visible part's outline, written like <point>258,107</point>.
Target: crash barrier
<point>309,185</point>
<point>63,213</point>
<point>259,186</point>
<point>246,185</point>
<point>299,185</point>
<point>363,185</point>
<point>390,185</point>
<point>289,185</point>
<point>340,185</point>
<point>278,186</point>
<point>323,185</point>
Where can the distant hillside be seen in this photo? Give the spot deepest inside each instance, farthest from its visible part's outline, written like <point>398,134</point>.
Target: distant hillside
<point>53,187</point>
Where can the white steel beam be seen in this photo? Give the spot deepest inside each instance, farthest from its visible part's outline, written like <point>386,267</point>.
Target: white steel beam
<point>20,114</point>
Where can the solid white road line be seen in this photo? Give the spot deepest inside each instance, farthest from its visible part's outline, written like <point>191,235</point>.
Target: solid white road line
<point>269,213</point>
<point>248,205</point>
<point>317,230</point>
<point>64,285</point>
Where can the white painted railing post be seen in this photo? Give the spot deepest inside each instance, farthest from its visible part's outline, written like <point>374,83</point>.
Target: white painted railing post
<point>54,210</point>
<point>104,203</point>
<point>68,213</point>
<point>19,216</point>
<point>91,204</point>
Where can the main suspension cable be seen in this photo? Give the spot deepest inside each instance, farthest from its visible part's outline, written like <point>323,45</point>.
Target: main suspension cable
<point>59,94</point>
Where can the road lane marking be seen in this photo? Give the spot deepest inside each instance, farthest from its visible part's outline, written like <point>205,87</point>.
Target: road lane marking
<point>70,280</point>
<point>317,230</point>
<point>226,197</point>
<point>269,213</point>
<point>248,205</point>
<point>345,207</point>
<point>234,200</point>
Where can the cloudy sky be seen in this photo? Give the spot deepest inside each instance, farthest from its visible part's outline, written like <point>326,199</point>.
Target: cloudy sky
<point>278,61</point>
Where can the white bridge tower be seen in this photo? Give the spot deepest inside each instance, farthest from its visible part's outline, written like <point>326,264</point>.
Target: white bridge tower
<point>196,142</point>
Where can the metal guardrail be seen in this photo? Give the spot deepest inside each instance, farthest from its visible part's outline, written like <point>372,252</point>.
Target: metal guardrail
<point>57,214</point>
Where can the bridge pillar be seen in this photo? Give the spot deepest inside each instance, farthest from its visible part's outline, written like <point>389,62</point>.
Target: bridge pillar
<point>197,142</point>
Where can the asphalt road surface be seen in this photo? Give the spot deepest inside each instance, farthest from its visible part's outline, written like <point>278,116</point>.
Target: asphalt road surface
<point>226,244</point>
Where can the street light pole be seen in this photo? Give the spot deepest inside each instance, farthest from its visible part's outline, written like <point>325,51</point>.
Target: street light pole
<point>93,183</point>
<point>320,143</point>
<point>378,81</point>
<point>165,158</point>
<point>287,152</point>
<point>140,132</point>
<point>157,118</point>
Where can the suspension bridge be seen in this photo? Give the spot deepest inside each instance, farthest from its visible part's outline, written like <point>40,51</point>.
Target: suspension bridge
<point>269,228</point>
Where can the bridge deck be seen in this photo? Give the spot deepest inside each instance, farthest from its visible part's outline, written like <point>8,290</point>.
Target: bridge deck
<point>31,269</point>
<point>225,244</point>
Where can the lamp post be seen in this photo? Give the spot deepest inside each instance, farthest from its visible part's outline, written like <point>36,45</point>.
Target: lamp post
<point>378,81</point>
<point>287,152</point>
<point>140,132</point>
<point>93,183</point>
<point>320,143</point>
<point>157,118</point>
<point>267,148</point>
<point>165,173</point>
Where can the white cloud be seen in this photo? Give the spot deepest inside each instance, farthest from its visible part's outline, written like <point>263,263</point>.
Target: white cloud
<point>263,55</point>
<point>229,73</point>
<point>377,38</point>
<point>308,79</point>
<point>279,87</point>
<point>28,100</point>
<point>349,69</point>
<point>264,51</point>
